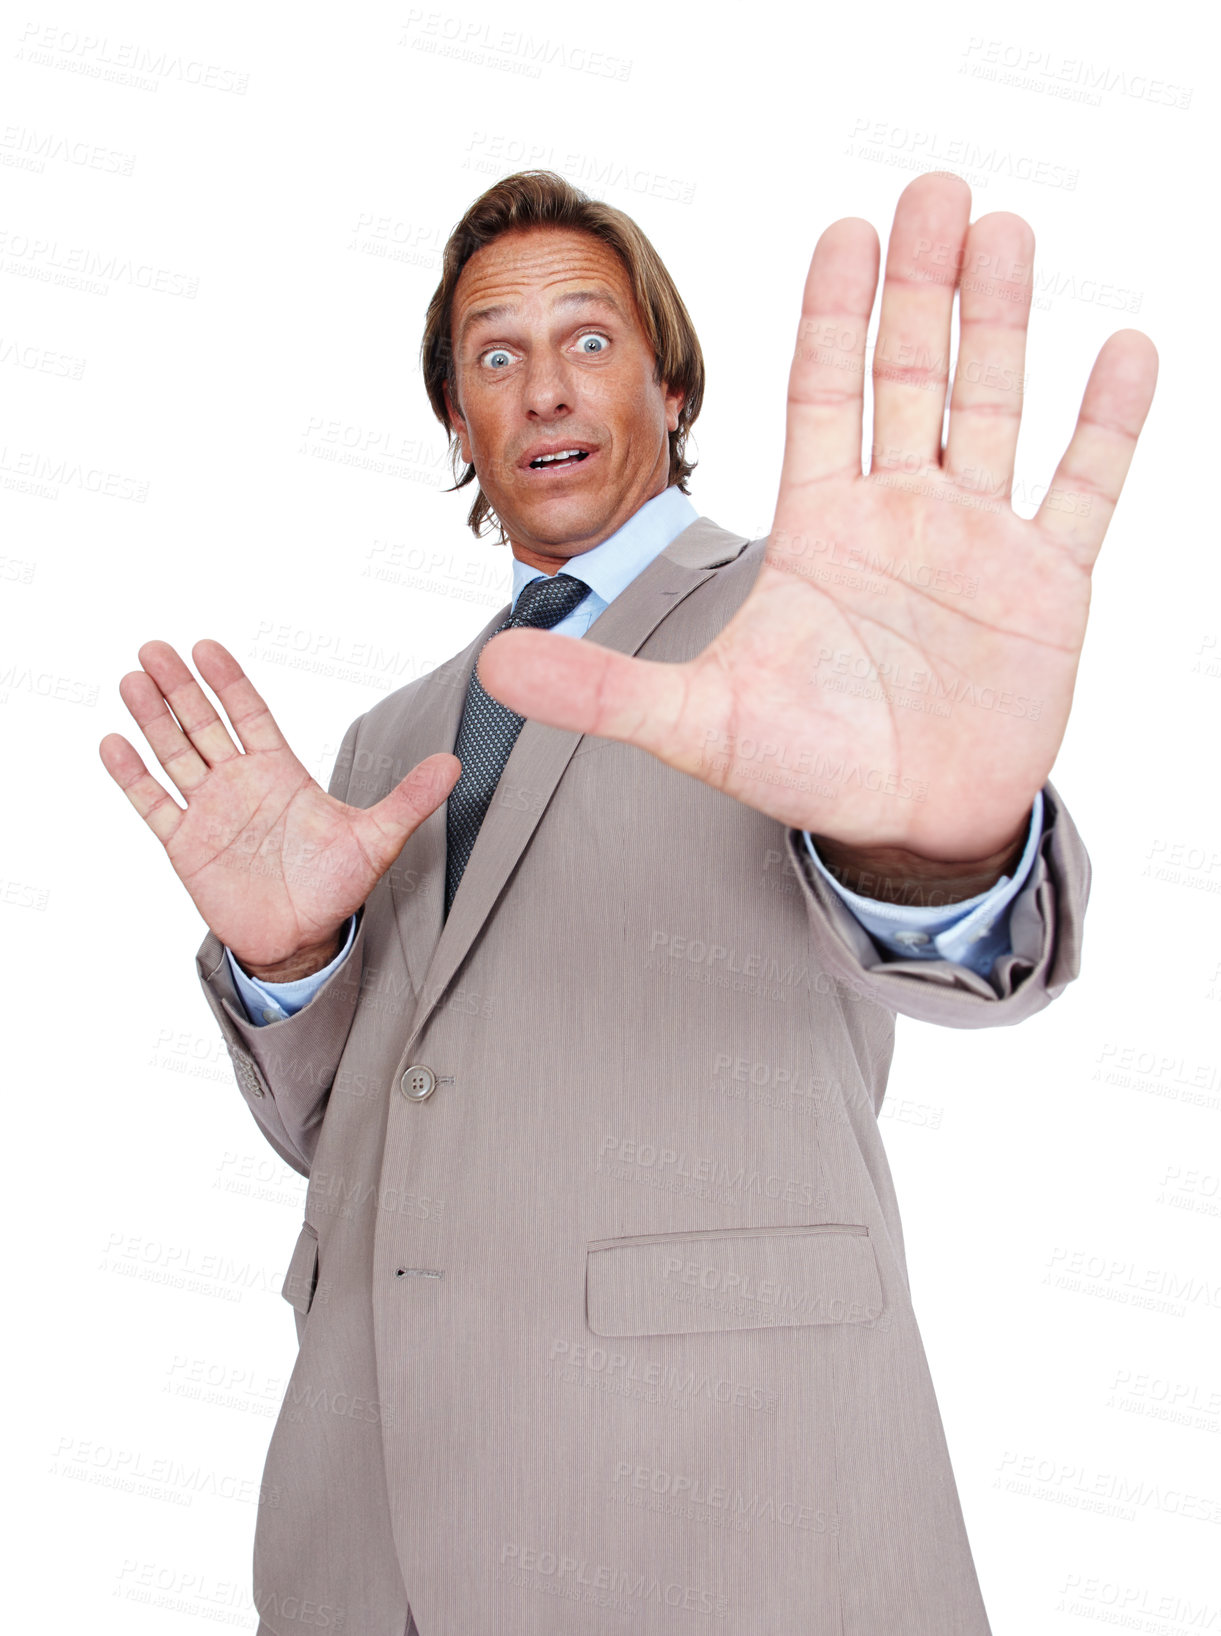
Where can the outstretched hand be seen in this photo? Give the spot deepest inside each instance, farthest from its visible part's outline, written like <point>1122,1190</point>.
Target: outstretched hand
<point>901,673</point>
<point>275,865</point>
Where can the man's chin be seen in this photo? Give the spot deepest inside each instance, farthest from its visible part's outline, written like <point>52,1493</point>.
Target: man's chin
<point>561,520</point>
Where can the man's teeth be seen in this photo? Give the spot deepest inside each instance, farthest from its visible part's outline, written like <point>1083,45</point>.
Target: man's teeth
<point>548,459</point>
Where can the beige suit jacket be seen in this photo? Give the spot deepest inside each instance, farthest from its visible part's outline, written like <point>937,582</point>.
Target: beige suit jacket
<point>611,1330</point>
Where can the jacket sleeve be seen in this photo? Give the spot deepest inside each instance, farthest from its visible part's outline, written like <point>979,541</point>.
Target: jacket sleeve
<point>285,1069</point>
<point>1045,927</point>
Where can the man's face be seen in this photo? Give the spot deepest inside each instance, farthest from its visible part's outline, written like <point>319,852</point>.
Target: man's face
<point>561,363</point>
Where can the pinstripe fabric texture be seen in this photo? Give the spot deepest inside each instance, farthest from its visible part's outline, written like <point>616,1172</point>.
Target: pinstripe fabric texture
<point>612,1327</point>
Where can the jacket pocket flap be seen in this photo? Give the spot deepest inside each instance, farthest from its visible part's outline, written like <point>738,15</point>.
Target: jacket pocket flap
<point>758,1278</point>
<point>302,1274</point>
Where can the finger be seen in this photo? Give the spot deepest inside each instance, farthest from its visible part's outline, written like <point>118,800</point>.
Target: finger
<point>911,361</point>
<point>579,685</point>
<point>827,380</point>
<point>190,704</point>
<point>252,721</point>
<point>159,810</point>
<point>143,698</point>
<point>386,825</point>
<point>993,314</point>
<point>1079,504</point>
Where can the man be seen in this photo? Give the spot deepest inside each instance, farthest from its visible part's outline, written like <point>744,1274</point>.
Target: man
<point>600,1294</point>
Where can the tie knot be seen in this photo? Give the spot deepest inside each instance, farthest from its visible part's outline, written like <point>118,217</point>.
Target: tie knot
<point>548,599</point>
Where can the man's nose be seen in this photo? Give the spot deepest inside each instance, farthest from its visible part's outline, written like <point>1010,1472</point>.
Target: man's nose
<point>547,385</point>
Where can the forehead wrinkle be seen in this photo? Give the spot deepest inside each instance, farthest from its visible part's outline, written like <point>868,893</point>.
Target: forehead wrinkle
<point>566,263</point>
<point>509,309</point>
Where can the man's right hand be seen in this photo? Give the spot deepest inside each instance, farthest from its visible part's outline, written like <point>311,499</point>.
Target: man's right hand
<point>275,865</point>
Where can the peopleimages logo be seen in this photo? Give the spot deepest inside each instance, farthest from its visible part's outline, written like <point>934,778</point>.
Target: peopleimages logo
<point>722,1497</point>
<point>635,1375</point>
<point>739,1292</point>
<point>705,1168</point>
<point>99,57</point>
<point>1075,78</point>
<point>578,1579</point>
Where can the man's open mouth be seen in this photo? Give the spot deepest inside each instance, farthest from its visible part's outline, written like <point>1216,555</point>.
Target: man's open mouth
<point>563,457</point>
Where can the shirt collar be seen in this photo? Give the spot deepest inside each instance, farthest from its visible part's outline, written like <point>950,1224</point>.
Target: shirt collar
<point>611,566</point>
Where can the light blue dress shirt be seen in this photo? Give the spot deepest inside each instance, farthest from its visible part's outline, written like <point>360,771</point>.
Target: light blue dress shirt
<point>974,932</point>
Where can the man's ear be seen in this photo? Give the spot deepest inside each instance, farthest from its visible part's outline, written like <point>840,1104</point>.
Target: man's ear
<point>674,408</point>
<point>457,424</point>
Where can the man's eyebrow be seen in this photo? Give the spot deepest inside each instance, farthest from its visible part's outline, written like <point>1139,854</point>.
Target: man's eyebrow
<point>505,309</point>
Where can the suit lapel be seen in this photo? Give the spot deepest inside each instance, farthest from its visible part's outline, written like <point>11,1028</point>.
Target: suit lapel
<point>434,950</point>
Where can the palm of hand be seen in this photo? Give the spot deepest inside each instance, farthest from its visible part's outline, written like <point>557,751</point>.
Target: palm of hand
<point>866,688</point>
<point>274,864</point>
<point>902,670</point>
<point>271,861</point>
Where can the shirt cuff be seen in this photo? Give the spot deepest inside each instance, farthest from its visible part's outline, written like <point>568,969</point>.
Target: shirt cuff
<point>973,932</point>
<point>272,1002</point>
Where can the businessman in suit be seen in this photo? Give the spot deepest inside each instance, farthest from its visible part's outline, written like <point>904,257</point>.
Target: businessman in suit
<point>580,1033</point>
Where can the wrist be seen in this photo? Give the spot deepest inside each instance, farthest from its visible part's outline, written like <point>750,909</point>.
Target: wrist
<point>892,874</point>
<point>303,962</point>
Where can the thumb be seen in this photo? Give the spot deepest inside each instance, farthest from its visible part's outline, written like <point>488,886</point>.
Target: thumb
<point>583,687</point>
<point>398,815</point>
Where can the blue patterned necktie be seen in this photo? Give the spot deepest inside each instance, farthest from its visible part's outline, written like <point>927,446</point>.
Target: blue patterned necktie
<point>489,729</point>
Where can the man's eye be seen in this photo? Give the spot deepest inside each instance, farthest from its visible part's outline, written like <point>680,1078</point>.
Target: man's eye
<point>601,342</point>
<point>496,352</point>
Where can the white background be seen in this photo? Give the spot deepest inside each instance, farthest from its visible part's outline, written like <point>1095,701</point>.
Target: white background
<point>259,221</point>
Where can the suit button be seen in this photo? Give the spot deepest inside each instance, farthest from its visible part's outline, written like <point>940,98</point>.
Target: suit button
<point>248,1077</point>
<point>418,1082</point>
